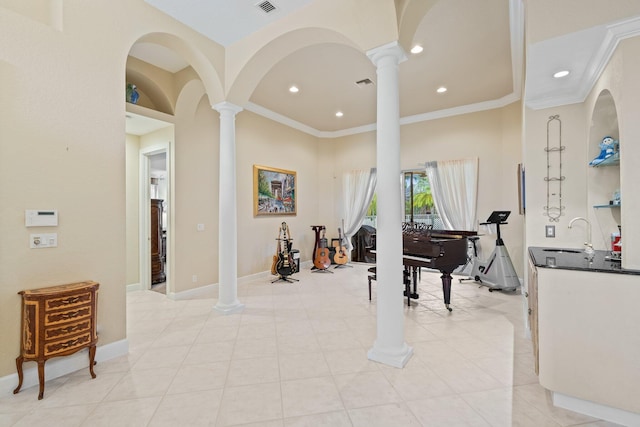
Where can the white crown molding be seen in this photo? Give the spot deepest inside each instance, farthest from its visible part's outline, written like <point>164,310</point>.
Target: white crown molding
<point>449,112</point>
<point>465,109</point>
<point>276,117</point>
<point>516,25</point>
<point>614,33</point>
<point>456,111</point>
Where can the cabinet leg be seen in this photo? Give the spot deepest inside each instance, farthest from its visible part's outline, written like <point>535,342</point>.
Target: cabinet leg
<point>92,356</point>
<point>41,378</point>
<point>19,361</point>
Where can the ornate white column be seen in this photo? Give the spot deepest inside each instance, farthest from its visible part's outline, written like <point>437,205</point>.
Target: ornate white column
<point>389,347</point>
<point>227,222</point>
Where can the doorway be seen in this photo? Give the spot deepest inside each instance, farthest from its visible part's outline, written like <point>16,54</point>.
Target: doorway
<point>155,218</point>
<point>149,174</point>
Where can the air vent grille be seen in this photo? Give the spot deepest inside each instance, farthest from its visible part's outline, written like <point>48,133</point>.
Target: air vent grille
<point>364,82</point>
<point>266,6</point>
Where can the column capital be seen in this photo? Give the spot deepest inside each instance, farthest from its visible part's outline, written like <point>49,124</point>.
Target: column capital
<point>392,49</point>
<point>227,106</point>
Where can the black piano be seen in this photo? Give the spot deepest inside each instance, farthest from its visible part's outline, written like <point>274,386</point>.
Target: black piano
<point>443,250</point>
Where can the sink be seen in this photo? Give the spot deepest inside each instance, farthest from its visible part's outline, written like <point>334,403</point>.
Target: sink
<point>562,251</point>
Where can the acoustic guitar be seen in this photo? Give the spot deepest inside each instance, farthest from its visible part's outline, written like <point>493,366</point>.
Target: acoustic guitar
<point>322,260</point>
<point>340,257</point>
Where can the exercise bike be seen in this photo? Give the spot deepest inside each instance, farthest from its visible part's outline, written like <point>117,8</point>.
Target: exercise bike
<point>497,272</point>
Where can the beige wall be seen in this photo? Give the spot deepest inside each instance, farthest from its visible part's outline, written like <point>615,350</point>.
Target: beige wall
<point>260,141</point>
<point>62,146</point>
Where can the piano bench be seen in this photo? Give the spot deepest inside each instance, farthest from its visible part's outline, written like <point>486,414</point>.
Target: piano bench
<point>370,278</point>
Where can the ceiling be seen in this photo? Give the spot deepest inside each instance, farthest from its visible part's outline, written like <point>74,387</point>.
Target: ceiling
<point>473,48</point>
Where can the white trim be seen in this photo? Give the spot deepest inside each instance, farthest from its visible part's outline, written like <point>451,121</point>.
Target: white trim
<point>614,34</point>
<point>465,109</point>
<point>456,111</point>
<point>58,367</point>
<point>596,410</point>
<point>212,289</point>
<point>145,213</point>
<point>134,287</point>
<point>199,292</point>
<point>397,360</point>
<point>516,26</point>
<point>272,115</point>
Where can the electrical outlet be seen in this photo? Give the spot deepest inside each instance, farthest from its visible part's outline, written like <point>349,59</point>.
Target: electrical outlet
<point>550,230</point>
<point>194,278</point>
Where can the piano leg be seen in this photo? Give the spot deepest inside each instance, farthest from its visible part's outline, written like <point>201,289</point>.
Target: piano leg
<point>446,289</point>
<point>407,285</point>
<point>414,277</point>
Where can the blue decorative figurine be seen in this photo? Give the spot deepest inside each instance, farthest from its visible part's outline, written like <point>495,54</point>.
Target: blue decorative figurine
<point>132,93</point>
<point>608,148</point>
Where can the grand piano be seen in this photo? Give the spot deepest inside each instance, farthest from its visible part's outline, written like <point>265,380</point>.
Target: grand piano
<point>422,246</point>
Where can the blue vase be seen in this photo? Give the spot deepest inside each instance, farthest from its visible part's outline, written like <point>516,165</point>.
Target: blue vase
<point>132,94</point>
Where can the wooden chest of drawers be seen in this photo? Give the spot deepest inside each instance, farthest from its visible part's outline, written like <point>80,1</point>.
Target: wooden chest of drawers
<point>57,321</point>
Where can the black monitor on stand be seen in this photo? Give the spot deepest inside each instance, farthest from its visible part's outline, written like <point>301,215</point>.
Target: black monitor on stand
<point>497,218</point>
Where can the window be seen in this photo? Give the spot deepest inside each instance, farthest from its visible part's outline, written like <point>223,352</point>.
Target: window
<point>418,202</point>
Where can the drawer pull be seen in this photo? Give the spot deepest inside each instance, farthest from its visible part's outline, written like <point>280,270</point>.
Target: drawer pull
<point>69,315</point>
<point>69,343</point>
<point>71,300</point>
<point>529,311</point>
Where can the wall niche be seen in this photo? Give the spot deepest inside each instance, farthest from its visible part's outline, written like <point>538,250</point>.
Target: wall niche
<point>603,177</point>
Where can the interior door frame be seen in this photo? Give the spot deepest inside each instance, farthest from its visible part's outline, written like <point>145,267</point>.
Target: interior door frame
<point>145,215</point>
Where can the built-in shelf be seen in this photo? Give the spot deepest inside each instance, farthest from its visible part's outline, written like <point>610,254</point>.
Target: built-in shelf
<point>611,161</point>
<point>606,206</point>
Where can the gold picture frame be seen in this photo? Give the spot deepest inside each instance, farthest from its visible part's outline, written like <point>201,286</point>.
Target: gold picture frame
<point>274,191</point>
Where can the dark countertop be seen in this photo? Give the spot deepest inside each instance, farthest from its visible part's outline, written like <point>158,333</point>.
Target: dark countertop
<point>576,259</point>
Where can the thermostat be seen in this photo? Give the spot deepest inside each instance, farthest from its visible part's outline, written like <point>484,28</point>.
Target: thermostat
<point>41,218</point>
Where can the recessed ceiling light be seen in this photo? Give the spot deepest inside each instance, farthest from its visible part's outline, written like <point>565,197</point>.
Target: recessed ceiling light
<point>441,89</point>
<point>560,74</point>
<point>339,114</point>
<point>294,89</point>
<point>416,49</point>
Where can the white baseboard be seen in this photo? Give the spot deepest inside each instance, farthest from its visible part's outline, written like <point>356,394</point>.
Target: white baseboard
<point>134,287</point>
<point>596,410</point>
<point>194,293</point>
<point>60,366</point>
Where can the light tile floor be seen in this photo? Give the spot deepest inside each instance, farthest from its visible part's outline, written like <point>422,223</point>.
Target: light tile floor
<point>297,356</point>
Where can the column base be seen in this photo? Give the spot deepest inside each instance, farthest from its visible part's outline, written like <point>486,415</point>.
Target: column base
<point>396,357</point>
<point>229,308</point>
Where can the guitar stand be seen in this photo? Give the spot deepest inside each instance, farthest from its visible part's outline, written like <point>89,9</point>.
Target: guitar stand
<point>343,265</point>
<point>315,269</point>
<point>285,279</point>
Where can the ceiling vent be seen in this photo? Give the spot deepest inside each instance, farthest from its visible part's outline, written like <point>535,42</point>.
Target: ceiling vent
<point>266,6</point>
<point>364,82</point>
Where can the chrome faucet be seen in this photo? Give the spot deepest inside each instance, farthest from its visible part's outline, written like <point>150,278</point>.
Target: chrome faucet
<point>588,247</point>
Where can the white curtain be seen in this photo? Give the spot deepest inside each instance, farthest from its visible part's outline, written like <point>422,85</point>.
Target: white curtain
<point>454,187</point>
<point>359,187</point>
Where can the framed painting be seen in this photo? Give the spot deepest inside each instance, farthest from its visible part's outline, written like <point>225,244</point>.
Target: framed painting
<point>274,191</point>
